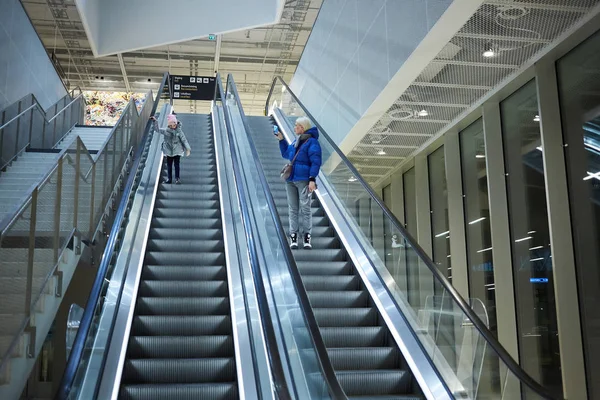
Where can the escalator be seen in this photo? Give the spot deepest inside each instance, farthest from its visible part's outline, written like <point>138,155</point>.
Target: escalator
<point>366,359</point>
<point>181,343</point>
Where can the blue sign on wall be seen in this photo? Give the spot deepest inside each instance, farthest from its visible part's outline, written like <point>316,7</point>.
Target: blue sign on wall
<point>538,280</point>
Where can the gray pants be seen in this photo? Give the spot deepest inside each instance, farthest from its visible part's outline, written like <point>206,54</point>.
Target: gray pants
<point>299,203</point>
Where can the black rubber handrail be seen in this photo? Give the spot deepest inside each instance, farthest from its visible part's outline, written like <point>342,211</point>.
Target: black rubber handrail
<point>280,383</point>
<point>85,324</point>
<point>334,387</point>
<point>489,337</point>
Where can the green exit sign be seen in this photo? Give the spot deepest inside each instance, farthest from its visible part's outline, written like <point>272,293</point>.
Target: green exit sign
<point>212,37</point>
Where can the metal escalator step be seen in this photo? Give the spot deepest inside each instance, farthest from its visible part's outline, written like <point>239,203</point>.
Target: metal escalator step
<point>341,317</point>
<point>186,223</point>
<point>320,255</point>
<point>208,212</point>
<point>379,382</point>
<point>369,336</point>
<point>358,298</point>
<point>183,289</point>
<point>189,325</point>
<point>169,199</point>
<point>172,371</point>
<point>173,233</point>
<point>182,273</point>
<point>365,358</point>
<point>325,242</point>
<point>180,347</point>
<point>200,174</point>
<point>213,391</point>
<point>182,306</point>
<point>185,245</point>
<point>325,268</point>
<point>179,258</point>
<point>331,282</point>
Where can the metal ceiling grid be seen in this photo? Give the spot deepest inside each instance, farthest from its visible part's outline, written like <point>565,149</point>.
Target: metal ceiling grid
<point>497,40</point>
<point>254,56</point>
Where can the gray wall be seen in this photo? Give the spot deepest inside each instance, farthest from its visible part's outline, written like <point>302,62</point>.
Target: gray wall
<point>24,64</point>
<point>355,48</point>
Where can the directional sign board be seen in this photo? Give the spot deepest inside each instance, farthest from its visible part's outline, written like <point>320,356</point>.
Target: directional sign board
<point>192,87</point>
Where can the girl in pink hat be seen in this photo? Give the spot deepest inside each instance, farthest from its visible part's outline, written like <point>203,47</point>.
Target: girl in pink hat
<point>174,146</point>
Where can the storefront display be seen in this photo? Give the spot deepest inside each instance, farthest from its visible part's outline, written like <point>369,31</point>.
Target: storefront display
<point>105,108</point>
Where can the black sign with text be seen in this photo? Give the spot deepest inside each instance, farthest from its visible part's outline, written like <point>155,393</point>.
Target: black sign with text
<point>192,87</point>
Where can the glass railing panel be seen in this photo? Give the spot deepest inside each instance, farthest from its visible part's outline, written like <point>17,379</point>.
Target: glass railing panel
<point>452,331</point>
<point>296,336</point>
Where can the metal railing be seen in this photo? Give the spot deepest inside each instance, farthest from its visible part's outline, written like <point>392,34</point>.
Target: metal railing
<point>25,125</point>
<point>68,206</point>
<point>330,380</point>
<point>94,306</point>
<point>415,280</point>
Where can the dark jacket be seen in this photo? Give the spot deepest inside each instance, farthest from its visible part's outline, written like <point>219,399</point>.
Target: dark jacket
<point>307,164</point>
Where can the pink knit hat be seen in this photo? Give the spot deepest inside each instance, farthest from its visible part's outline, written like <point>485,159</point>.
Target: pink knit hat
<point>171,119</point>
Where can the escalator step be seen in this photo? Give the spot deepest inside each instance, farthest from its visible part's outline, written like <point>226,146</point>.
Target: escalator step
<point>320,255</point>
<point>336,282</point>
<point>325,268</point>
<point>339,299</point>
<point>186,223</point>
<point>170,233</point>
<point>181,273</point>
<point>178,198</point>
<point>180,347</point>
<point>208,212</point>
<point>202,370</point>
<point>182,306</point>
<point>183,289</point>
<point>344,359</point>
<point>185,245</point>
<point>379,382</point>
<point>216,391</point>
<point>178,258</point>
<point>168,325</point>
<point>343,317</point>
<point>371,336</point>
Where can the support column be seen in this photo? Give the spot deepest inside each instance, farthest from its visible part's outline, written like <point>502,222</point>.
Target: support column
<point>424,277</point>
<point>561,239</point>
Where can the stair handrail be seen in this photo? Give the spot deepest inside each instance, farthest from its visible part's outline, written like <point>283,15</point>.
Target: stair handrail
<point>31,198</point>
<point>488,336</point>
<point>88,314</point>
<point>334,386</point>
<point>273,352</point>
<point>39,108</point>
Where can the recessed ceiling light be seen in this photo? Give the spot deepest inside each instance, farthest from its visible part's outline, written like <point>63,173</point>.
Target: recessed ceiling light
<point>480,156</point>
<point>352,179</point>
<point>423,113</point>
<point>375,141</point>
<point>536,118</point>
<point>381,152</point>
<point>489,53</point>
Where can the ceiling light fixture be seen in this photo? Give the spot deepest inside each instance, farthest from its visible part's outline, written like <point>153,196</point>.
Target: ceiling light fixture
<point>480,156</point>
<point>489,53</point>
<point>423,113</point>
<point>352,179</point>
<point>381,152</point>
<point>536,118</point>
<point>375,141</point>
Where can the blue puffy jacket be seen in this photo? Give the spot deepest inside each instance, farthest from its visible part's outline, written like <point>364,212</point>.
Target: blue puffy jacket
<point>307,164</point>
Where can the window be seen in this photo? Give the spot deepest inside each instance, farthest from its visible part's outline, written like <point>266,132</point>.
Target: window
<point>530,238</point>
<point>410,222</point>
<point>477,218</point>
<point>438,197</point>
<point>579,91</point>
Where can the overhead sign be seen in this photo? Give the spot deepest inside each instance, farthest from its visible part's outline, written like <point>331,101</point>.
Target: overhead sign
<point>192,87</point>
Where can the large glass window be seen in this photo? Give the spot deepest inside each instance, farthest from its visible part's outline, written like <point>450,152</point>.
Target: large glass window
<point>477,219</point>
<point>579,88</point>
<point>409,185</point>
<point>438,198</point>
<point>530,238</point>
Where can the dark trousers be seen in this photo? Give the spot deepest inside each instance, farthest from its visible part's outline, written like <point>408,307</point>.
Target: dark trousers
<point>170,166</point>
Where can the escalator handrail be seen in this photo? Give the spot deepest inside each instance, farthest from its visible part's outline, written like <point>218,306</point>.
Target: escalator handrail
<point>335,389</point>
<point>280,382</point>
<point>488,336</point>
<point>88,315</point>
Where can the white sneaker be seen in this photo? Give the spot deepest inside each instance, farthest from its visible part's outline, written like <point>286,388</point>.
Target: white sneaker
<point>294,241</point>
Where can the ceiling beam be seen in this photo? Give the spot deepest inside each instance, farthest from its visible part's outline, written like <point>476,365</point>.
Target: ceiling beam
<point>124,72</point>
